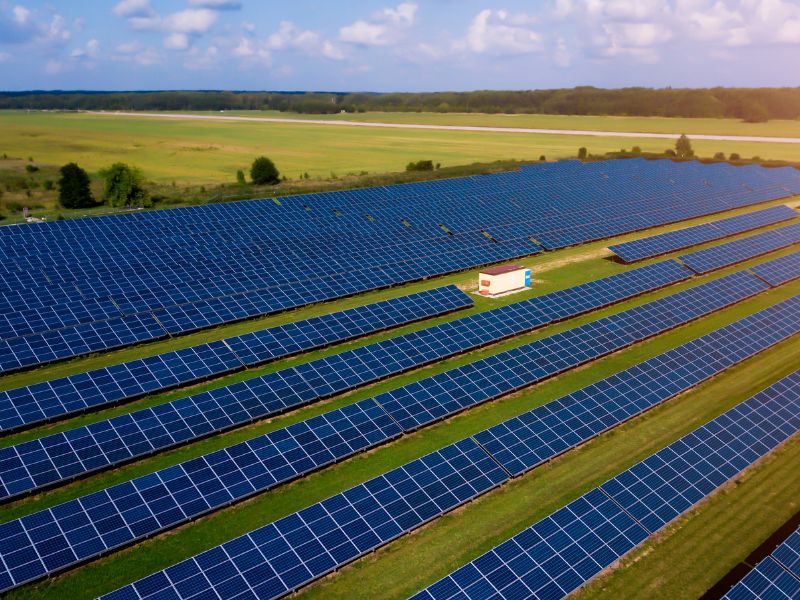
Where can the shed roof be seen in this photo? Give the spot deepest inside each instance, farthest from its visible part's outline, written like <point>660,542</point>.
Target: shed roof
<point>500,270</point>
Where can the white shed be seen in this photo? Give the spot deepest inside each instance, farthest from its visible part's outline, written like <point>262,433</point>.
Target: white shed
<point>495,281</point>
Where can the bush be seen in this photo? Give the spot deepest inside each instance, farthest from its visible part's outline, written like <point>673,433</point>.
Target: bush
<point>240,177</point>
<point>735,156</point>
<point>636,150</point>
<point>263,171</point>
<point>124,186</point>
<point>48,184</point>
<point>73,187</point>
<point>669,152</point>
<point>420,165</point>
<point>542,158</point>
<point>719,156</point>
<point>582,152</point>
<point>31,168</point>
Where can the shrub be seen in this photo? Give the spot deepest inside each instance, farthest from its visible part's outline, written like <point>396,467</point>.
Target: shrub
<point>31,168</point>
<point>48,184</point>
<point>420,165</point>
<point>636,150</point>
<point>73,187</point>
<point>124,186</point>
<point>240,177</point>
<point>263,171</point>
<point>719,156</point>
<point>542,158</point>
<point>669,152</point>
<point>735,156</point>
<point>582,152</point>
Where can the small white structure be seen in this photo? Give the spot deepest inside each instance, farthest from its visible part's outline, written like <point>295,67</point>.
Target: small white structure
<point>496,281</point>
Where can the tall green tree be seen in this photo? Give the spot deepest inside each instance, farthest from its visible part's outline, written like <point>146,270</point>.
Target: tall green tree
<point>683,147</point>
<point>124,186</point>
<point>74,190</point>
<point>263,172</point>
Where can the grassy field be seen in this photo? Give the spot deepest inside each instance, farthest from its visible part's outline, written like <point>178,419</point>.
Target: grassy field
<point>202,152</point>
<point>585,123</point>
<point>394,571</point>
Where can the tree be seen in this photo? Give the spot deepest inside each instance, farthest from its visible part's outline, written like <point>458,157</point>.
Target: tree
<point>124,186</point>
<point>73,187</point>
<point>683,147</point>
<point>636,150</point>
<point>420,165</point>
<point>735,156</point>
<point>719,156</point>
<point>240,177</point>
<point>582,152</point>
<point>263,171</point>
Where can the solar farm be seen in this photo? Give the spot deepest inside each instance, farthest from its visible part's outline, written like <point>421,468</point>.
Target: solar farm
<point>306,396</point>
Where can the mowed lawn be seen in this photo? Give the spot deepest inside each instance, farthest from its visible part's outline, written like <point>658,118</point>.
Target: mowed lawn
<point>198,152</point>
<point>434,550</point>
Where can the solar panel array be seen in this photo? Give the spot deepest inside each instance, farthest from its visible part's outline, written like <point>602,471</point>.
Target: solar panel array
<point>560,553</point>
<point>691,236</point>
<point>776,577</point>
<point>220,263</point>
<point>780,270</point>
<point>711,259</point>
<point>62,456</point>
<point>50,399</point>
<point>142,507</point>
<point>281,557</point>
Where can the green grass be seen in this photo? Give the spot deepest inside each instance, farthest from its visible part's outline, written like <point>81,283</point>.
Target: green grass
<point>199,152</point>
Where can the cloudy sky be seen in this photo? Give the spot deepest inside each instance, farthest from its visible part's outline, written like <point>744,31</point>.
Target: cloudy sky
<point>407,46</point>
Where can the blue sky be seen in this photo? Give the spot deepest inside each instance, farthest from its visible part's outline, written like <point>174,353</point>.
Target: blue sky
<point>375,45</point>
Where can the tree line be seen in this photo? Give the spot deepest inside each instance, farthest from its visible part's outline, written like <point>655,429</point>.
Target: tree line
<point>749,104</point>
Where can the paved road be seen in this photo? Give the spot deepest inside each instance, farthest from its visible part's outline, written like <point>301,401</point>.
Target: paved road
<point>621,134</point>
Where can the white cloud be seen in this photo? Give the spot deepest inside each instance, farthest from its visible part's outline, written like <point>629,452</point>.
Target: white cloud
<point>191,21</point>
<point>562,56</point>
<point>134,8</point>
<point>332,51</point>
<point>249,27</point>
<point>382,29</point>
<point>176,41</point>
<point>217,4</point>
<point>4,57</point>
<point>499,33</point>
<point>21,14</point>
<point>53,67</point>
<point>789,32</point>
<point>252,52</point>
<point>128,48</point>
<point>199,61</point>
<point>90,50</point>
<point>290,37</point>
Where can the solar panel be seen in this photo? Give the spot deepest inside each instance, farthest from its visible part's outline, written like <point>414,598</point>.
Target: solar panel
<point>225,262</point>
<point>284,555</point>
<point>691,236</point>
<point>166,498</point>
<point>710,259</point>
<point>788,553</point>
<point>62,456</point>
<point>779,271</point>
<point>560,553</point>
<point>44,401</point>
<point>768,580</point>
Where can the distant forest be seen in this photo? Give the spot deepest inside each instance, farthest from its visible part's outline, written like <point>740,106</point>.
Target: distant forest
<point>748,104</point>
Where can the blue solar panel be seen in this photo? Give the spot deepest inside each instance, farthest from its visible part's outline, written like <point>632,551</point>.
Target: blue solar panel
<point>776,577</point>
<point>51,399</point>
<point>81,450</point>
<point>560,553</point>
<point>178,493</point>
<point>710,259</point>
<point>691,236</point>
<point>284,555</point>
<point>768,581</point>
<point>224,262</point>
<point>779,271</point>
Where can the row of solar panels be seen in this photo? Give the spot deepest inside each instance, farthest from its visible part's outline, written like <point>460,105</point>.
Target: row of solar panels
<point>60,397</point>
<point>81,529</point>
<point>563,551</point>
<point>33,404</point>
<point>239,289</point>
<point>776,577</point>
<point>554,556</point>
<point>684,238</point>
<point>53,459</point>
<point>717,257</point>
